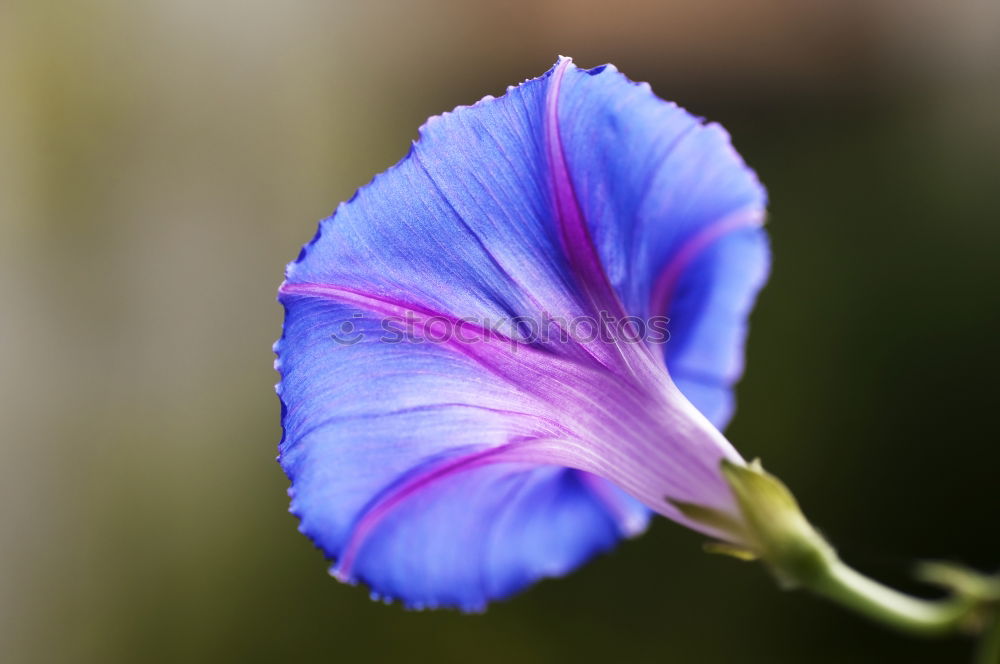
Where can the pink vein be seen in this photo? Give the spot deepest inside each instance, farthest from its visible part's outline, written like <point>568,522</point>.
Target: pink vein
<point>503,351</point>
<point>666,284</point>
<point>574,233</point>
<point>373,515</point>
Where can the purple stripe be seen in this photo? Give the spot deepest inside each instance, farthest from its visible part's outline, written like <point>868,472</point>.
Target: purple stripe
<point>529,370</point>
<point>666,284</point>
<point>374,515</point>
<point>574,233</point>
<point>573,229</point>
<point>502,355</point>
<point>389,306</point>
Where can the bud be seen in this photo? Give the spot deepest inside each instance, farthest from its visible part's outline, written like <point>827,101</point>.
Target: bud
<point>774,528</point>
<point>771,527</point>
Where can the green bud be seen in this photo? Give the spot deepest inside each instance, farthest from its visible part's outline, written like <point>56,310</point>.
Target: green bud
<point>770,527</point>
<point>774,528</point>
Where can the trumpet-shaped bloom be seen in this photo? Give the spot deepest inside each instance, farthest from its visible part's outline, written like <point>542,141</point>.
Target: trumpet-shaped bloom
<point>466,406</point>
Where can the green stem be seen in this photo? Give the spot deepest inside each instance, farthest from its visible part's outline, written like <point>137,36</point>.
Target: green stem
<point>845,586</point>
<point>989,647</point>
<point>774,529</point>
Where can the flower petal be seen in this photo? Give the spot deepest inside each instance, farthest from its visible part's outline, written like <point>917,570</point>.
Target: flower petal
<point>708,315</point>
<point>484,534</point>
<point>396,446</point>
<point>464,459</point>
<point>676,218</point>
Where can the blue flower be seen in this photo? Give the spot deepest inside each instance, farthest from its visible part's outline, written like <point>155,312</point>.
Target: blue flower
<point>478,389</point>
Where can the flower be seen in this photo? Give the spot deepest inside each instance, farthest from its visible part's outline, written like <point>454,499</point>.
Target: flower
<point>467,403</point>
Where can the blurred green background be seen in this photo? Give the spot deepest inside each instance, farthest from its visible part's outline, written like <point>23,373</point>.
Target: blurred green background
<point>161,160</point>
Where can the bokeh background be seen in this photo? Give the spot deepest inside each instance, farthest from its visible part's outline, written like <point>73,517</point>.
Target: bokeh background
<point>161,160</point>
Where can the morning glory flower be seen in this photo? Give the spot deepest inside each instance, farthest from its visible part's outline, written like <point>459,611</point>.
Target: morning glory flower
<point>507,351</point>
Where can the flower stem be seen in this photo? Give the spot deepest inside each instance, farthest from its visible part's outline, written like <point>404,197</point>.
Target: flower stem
<point>774,529</point>
<point>989,646</point>
<point>847,587</point>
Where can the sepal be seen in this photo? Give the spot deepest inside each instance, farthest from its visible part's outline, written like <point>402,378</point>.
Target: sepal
<point>774,527</point>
